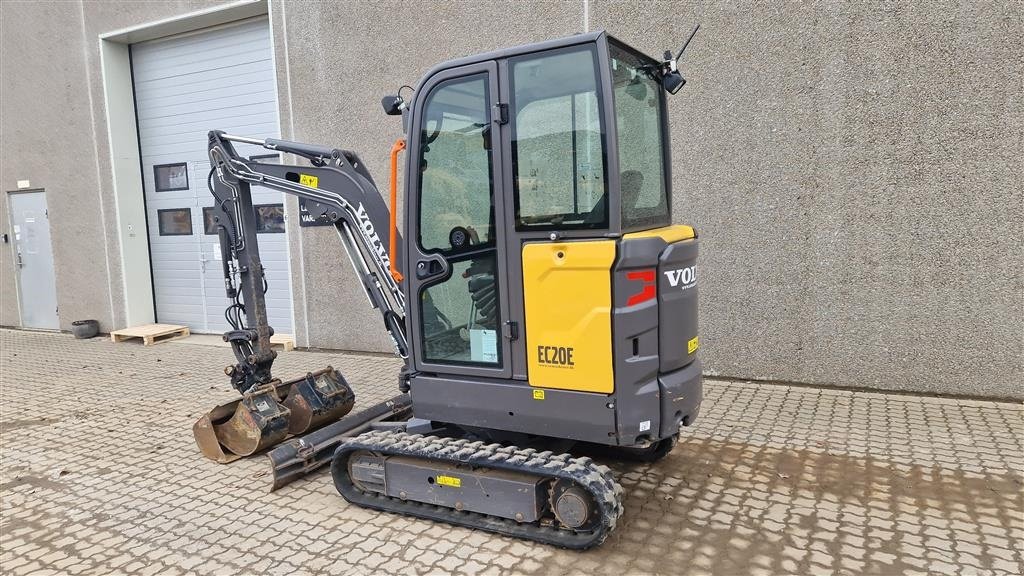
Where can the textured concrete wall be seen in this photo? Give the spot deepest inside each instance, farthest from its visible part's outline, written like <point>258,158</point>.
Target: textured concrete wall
<point>855,174</point>
<point>54,133</point>
<point>853,170</point>
<point>341,59</point>
<point>49,140</point>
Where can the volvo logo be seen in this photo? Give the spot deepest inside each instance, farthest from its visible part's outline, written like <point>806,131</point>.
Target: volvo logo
<point>682,278</point>
<point>371,235</point>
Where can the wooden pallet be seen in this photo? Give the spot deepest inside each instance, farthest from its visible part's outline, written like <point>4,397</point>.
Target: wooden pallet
<point>287,341</point>
<point>151,333</point>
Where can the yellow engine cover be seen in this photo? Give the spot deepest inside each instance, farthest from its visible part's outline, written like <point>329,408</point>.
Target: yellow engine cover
<point>567,293</point>
<point>670,234</point>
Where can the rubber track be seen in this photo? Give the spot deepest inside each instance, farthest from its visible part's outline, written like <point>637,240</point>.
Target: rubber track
<point>596,479</point>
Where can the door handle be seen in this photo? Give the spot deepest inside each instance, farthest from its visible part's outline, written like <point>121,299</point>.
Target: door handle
<point>431,266</point>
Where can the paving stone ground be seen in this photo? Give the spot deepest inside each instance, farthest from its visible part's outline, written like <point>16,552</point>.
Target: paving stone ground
<point>99,475</point>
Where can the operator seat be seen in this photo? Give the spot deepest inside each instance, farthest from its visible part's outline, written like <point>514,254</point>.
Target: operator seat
<point>631,183</point>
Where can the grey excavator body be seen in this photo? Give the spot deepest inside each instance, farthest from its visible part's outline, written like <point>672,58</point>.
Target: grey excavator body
<point>539,295</point>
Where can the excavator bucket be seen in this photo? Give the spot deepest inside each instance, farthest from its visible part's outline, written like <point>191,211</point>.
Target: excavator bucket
<point>266,416</point>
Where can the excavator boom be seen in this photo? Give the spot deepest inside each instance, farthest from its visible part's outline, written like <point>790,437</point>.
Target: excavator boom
<point>336,186</point>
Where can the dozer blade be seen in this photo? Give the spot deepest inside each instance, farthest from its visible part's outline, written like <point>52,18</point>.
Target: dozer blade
<point>299,456</point>
<point>260,419</point>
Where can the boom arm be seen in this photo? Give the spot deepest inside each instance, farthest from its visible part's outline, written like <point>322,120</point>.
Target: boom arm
<point>336,186</point>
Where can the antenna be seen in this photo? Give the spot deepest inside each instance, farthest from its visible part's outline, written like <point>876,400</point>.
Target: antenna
<point>683,49</point>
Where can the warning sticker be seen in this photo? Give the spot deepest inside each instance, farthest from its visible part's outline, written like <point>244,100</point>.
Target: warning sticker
<point>483,345</point>
<point>538,394</point>
<point>307,180</point>
<point>691,346</point>
<point>451,481</point>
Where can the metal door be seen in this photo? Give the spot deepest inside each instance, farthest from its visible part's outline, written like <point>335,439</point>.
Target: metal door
<point>34,259</point>
<point>458,304</point>
<point>186,85</point>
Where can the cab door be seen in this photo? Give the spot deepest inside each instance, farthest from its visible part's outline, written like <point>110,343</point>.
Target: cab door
<point>456,268</point>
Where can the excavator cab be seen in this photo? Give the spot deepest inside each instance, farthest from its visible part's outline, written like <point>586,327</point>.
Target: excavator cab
<point>538,218</point>
<point>539,294</point>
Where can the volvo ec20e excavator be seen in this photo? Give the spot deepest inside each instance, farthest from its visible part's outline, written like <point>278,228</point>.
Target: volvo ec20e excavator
<point>540,296</point>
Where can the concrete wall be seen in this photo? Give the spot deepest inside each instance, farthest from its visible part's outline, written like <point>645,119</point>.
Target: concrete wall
<point>341,61</point>
<point>855,174</point>
<point>853,170</point>
<point>54,132</point>
<point>48,139</point>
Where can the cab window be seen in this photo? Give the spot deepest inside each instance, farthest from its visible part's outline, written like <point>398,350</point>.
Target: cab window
<point>558,141</point>
<point>456,179</point>
<point>639,109</point>
<point>459,315</point>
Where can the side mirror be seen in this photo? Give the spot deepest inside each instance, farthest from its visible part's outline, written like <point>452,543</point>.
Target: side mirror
<point>671,79</point>
<point>392,105</point>
<point>672,82</point>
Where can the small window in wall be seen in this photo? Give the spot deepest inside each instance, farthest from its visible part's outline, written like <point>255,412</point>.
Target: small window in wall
<point>269,218</point>
<point>170,177</point>
<point>175,222</point>
<point>209,226</point>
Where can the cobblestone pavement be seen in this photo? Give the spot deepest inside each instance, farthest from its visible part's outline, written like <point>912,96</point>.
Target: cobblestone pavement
<point>99,475</point>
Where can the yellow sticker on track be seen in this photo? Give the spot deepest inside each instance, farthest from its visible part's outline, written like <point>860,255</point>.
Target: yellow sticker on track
<point>538,394</point>
<point>308,180</point>
<point>692,345</point>
<point>449,481</point>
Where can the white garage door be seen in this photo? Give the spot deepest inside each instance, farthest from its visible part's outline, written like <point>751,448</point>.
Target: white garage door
<point>221,78</point>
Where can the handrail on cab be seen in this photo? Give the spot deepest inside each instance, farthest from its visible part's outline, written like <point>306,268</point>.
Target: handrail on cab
<point>393,245</point>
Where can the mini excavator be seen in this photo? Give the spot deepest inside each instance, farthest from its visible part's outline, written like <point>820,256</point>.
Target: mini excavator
<point>540,296</point>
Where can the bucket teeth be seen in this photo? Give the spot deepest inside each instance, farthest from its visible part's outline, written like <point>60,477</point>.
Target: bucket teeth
<point>260,419</point>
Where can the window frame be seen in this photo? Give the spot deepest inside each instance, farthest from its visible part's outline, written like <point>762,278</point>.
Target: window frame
<point>156,177</point>
<point>499,348</point>
<point>159,222</point>
<point>492,248</point>
<point>597,57</point>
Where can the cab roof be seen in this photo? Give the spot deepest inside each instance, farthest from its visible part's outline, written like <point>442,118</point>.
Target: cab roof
<point>576,39</point>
